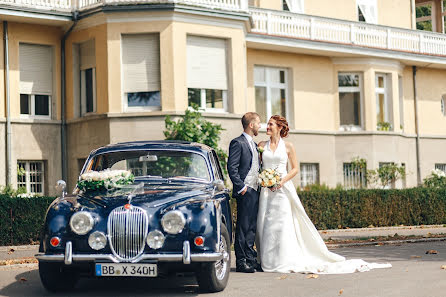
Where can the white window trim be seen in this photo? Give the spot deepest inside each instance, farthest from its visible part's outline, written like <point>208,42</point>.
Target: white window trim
<point>428,18</point>
<point>361,100</point>
<point>27,176</point>
<point>359,177</point>
<point>383,91</point>
<point>84,92</point>
<point>441,166</point>
<point>203,107</point>
<point>269,85</point>
<point>303,174</point>
<point>32,107</point>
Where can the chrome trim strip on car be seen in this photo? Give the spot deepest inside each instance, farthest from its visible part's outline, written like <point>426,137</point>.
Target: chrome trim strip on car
<point>200,257</point>
<point>68,253</point>
<point>186,252</point>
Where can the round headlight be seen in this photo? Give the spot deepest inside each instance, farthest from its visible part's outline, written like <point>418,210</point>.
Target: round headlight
<point>97,240</point>
<point>173,222</point>
<point>155,239</point>
<point>81,222</point>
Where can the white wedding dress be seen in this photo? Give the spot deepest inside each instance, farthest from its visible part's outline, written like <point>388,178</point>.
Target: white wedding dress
<point>287,240</point>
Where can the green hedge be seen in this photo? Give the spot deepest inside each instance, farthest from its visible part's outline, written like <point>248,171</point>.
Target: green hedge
<point>21,219</point>
<point>334,209</point>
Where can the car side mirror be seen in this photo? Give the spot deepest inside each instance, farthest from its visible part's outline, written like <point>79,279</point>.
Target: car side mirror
<point>61,186</point>
<point>219,184</point>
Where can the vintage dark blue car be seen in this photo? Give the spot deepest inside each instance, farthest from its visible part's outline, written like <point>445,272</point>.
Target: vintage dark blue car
<point>175,217</point>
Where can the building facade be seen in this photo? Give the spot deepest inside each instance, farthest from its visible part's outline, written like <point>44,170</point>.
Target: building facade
<point>355,78</point>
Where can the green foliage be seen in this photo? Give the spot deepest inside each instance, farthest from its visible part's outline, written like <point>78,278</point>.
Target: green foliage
<point>361,208</point>
<point>22,219</point>
<point>437,179</point>
<point>194,128</point>
<point>421,11</point>
<point>386,175</point>
<point>384,126</point>
<point>358,163</point>
<point>10,191</point>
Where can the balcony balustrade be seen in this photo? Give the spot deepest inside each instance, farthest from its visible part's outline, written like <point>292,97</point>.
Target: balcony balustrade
<point>292,25</point>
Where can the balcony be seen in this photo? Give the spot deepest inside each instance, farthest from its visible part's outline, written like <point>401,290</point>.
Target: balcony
<point>305,27</point>
<point>73,5</point>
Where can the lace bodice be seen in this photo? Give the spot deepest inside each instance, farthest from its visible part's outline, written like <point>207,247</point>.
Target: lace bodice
<point>276,160</point>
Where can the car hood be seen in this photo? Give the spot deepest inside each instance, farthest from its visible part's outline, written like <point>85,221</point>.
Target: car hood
<point>155,195</point>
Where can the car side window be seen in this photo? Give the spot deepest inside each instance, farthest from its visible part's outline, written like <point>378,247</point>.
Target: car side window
<point>217,170</point>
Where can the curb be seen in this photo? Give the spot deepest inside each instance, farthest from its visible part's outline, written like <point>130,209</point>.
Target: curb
<point>380,243</point>
<point>19,247</point>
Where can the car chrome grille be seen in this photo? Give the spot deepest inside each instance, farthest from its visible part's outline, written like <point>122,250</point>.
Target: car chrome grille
<point>127,231</point>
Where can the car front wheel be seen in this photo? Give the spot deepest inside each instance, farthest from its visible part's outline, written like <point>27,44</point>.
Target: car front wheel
<point>56,279</point>
<point>214,276</point>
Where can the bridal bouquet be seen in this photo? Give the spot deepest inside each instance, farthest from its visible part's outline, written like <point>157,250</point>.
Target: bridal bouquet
<point>104,180</point>
<point>269,178</point>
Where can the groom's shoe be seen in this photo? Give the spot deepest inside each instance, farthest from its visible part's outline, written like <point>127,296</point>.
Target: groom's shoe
<point>242,266</point>
<point>257,267</point>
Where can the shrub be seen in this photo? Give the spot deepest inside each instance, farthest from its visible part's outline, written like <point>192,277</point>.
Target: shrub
<point>437,179</point>
<point>22,219</point>
<point>361,208</point>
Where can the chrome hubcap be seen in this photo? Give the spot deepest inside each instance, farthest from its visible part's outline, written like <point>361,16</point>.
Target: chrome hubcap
<point>222,265</point>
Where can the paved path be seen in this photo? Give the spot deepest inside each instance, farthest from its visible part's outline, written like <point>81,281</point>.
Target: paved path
<point>414,274</point>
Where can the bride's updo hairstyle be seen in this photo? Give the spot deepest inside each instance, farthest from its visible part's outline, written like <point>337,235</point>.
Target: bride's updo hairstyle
<point>282,123</point>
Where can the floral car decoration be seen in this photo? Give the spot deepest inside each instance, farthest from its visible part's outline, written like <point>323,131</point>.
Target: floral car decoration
<point>140,209</point>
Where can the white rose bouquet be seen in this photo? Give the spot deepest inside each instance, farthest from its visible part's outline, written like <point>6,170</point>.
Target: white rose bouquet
<point>104,180</point>
<point>269,178</point>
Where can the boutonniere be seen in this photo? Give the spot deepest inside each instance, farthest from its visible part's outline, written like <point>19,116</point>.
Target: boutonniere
<point>260,149</point>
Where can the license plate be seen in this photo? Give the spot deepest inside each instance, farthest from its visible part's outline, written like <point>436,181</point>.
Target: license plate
<point>118,269</point>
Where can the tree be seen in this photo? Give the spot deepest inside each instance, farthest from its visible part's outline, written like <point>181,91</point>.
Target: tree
<point>194,128</point>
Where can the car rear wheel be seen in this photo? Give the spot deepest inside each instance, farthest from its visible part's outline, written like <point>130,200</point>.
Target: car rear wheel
<point>56,279</point>
<point>214,276</point>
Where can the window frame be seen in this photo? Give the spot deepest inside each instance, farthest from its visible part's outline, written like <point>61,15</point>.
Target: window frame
<point>441,166</point>
<point>303,180</point>
<point>127,108</point>
<point>202,106</point>
<point>27,176</point>
<point>83,91</point>
<point>387,98</point>
<point>268,85</point>
<point>361,101</point>
<point>443,105</point>
<point>32,107</point>
<point>354,184</point>
<point>431,18</point>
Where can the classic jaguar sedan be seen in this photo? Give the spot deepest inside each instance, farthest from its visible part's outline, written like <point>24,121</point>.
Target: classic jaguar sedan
<point>140,209</point>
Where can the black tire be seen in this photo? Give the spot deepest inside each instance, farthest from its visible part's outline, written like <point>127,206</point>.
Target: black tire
<point>56,279</point>
<point>214,276</point>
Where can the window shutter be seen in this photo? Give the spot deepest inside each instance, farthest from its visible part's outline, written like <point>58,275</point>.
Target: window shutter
<point>296,6</point>
<point>36,69</point>
<point>206,63</point>
<point>87,55</point>
<point>141,63</point>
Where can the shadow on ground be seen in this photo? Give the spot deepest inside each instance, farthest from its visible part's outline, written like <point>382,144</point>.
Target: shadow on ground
<point>28,284</point>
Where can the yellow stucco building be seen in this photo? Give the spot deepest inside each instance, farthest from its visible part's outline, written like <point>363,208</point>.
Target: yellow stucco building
<point>355,78</point>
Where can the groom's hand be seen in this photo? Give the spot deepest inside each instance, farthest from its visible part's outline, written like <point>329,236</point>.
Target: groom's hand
<point>244,191</point>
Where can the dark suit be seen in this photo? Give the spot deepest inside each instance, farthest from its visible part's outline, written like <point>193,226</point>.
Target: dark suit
<point>239,164</point>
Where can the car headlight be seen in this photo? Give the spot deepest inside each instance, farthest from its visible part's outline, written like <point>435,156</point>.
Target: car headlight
<point>97,240</point>
<point>81,222</point>
<point>173,222</point>
<point>155,239</point>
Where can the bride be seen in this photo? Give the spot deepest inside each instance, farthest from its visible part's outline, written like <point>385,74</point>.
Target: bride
<point>286,237</point>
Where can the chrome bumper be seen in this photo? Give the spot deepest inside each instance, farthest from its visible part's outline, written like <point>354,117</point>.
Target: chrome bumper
<point>186,257</point>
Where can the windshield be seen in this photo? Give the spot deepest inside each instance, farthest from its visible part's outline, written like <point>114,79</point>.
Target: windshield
<point>153,163</point>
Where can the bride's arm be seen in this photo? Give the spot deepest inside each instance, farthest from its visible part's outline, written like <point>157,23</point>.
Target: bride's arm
<point>293,160</point>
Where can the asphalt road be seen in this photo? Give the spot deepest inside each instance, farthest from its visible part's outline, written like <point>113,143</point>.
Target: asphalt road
<point>414,273</point>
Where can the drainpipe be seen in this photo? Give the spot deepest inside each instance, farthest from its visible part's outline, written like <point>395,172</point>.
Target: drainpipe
<point>417,124</point>
<point>63,132</point>
<point>8,107</point>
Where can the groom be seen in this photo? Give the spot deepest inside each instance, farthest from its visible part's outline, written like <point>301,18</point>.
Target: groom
<point>243,169</point>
